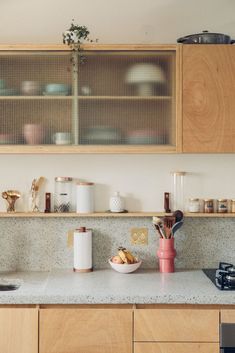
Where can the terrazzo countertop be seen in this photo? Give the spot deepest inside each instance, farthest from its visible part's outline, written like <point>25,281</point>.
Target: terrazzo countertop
<point>110,287</point>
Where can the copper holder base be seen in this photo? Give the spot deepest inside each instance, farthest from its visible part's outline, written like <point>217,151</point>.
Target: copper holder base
<point>85,270</point>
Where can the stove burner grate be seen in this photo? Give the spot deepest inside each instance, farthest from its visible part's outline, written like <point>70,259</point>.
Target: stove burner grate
<point>223,277</point>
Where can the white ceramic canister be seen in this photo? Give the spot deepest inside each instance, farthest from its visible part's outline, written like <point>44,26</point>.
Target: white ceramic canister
<point>116,203</point>
<point>82,249</point>
<point>85,197</point>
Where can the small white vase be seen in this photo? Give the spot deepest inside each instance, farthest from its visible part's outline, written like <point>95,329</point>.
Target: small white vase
<point>116,203</point>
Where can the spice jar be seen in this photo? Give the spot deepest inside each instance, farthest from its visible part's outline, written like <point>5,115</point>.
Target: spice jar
<point>233,205</point>
<point>63,194</point>
<point>222,206</point>
<point>208,206</point>
<point>194,205</point>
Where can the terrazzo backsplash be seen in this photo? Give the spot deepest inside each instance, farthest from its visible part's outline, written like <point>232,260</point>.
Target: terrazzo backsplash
<point>41,244</point>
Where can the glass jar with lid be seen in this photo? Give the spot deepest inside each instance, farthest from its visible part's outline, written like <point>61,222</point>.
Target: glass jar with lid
<point>63,194</point>
<point>194,205</point>
<point>222,206</point>
<point>233,205</point>
<point>208,206</point>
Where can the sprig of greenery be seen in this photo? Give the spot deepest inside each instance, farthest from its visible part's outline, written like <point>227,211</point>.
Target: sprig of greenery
<point>75,36</point>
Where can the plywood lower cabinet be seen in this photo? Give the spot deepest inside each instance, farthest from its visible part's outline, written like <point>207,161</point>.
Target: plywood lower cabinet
<point>85,330</point>
<point>176,348</point>
<point>227,316</point>
<point>176,325</point>
<point>176,330</point>
<point>112,328</point>
<point>18,330</point>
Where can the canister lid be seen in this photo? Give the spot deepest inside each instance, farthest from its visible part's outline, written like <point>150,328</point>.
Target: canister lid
<point>84,183</point>
<point>63,179</point>
<point>178,173</point>
<point>206,200</point>
<point>222,200</point>
<point>82,229</point>
<point>193,199</point>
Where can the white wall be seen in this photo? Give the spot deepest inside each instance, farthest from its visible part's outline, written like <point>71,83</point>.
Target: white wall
<point>141,178</point>
<point>114,21</point>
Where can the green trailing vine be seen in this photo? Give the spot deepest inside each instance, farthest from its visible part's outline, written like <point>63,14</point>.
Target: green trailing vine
<point>75,36</point>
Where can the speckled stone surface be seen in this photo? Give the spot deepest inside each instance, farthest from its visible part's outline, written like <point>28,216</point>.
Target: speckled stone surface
<point>110,287</point>
<point>39,244</point>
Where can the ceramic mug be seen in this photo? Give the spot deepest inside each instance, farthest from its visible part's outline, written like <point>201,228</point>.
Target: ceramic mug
<point>33,134</point>
<point>30,88</point>
<point>62,138</point>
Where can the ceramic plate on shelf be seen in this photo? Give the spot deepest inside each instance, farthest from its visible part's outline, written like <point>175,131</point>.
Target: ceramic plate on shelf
<point>102,135</point>
<point>145,137</point>
<point>9,92</point>
<point>65,93</point>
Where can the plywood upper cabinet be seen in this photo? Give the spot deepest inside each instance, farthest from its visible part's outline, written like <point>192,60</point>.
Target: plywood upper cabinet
<point>208,98</point>
<point>123,99</point>
<point>18,330</point>
<point>85,330</point>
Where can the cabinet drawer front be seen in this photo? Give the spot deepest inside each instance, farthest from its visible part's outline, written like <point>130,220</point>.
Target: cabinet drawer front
<point>228,316</point>
<point>176,325</point>
<point>176,348</point>
<point>18,330</point>
<point>85,331</point>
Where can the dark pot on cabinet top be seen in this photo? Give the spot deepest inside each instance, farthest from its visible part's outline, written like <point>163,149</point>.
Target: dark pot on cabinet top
<point>206,38</point>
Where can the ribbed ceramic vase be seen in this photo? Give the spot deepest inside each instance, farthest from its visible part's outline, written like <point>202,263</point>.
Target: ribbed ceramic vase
<point>166,254</point>
<point>116,203</point>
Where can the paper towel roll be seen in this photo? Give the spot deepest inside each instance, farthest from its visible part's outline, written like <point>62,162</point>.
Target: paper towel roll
<point>82,247</point>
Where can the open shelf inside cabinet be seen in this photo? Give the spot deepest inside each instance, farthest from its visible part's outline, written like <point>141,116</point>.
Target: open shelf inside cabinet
<point>35,97</point>
<point>129,98</point>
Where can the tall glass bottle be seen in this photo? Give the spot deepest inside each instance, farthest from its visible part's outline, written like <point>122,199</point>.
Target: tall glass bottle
<point>178,199</point>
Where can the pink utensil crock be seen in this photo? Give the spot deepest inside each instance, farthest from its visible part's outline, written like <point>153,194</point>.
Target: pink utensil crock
<point>166,254</point>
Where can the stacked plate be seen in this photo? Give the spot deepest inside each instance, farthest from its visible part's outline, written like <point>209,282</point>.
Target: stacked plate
<point>102,135</point>
<point>145,137</point>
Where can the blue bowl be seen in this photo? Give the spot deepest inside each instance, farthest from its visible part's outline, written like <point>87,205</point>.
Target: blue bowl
<point>51,88</point>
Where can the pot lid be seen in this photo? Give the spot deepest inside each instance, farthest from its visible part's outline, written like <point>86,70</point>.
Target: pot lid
<point>205,32</point>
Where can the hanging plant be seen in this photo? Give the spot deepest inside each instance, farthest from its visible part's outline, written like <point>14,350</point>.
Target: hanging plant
<point>75,36</point>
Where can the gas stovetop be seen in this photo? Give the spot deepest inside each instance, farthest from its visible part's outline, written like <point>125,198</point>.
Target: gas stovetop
<point>222,277</point>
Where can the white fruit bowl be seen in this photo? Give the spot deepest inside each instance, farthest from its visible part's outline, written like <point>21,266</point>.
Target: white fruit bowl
<point>125,268</point>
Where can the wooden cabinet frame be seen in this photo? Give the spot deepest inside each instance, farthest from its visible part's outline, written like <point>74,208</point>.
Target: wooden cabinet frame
<point>176,121</point>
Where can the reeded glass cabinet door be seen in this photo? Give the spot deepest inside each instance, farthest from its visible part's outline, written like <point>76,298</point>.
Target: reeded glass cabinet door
<point>127,98</point>
<point>114,98</point>
<point>35,97</point>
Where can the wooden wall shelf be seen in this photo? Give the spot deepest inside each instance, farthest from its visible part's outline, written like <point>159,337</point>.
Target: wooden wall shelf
<point>109,215</point>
